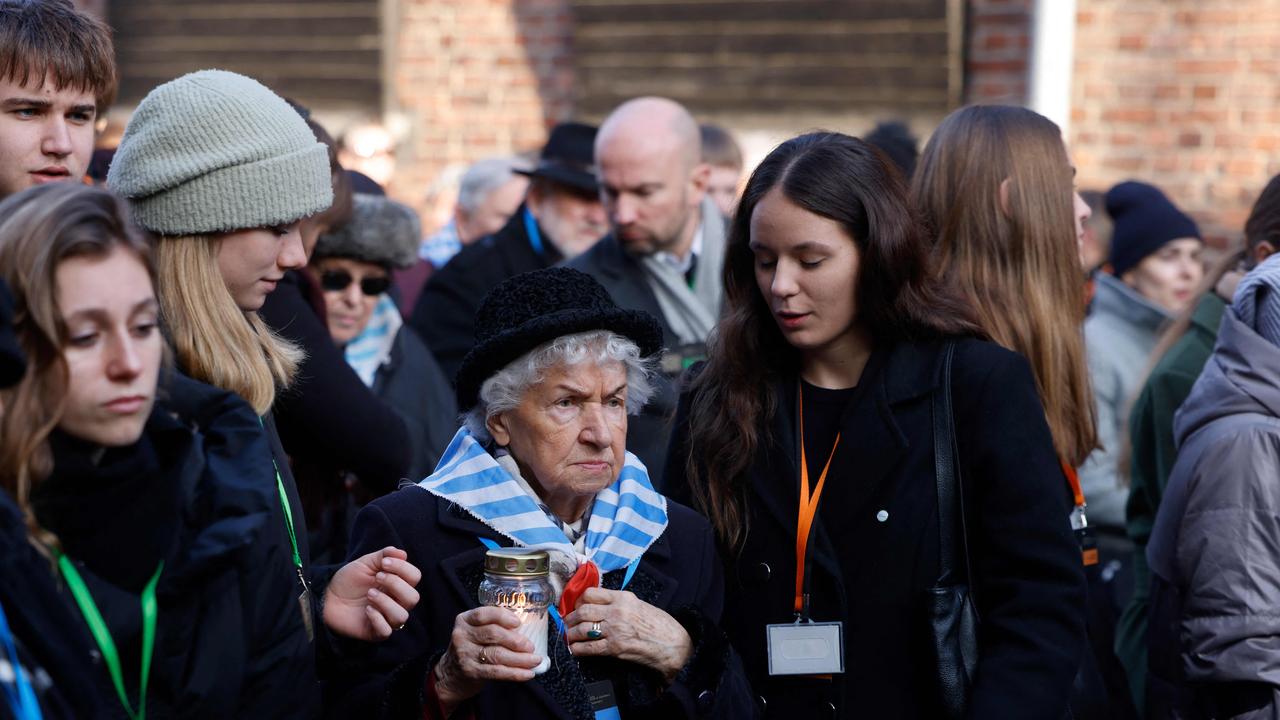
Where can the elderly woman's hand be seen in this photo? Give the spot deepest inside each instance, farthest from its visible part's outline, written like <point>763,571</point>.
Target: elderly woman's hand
<point>630,629</point>
<point>485,645</point>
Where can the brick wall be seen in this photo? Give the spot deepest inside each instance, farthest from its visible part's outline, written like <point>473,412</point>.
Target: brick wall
<point>1183,94</point>
<point>470,79</point>
<point>998,47</point>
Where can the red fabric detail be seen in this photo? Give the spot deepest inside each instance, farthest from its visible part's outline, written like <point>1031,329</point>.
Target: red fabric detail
<point>587,576</point>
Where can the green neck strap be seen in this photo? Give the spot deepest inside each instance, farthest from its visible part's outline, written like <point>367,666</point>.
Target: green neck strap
<point>98,627</point>
<point>288,518</point>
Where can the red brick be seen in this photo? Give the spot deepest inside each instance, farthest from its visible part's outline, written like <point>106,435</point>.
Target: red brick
<point>1207,92</point>
<point>1131,114</point>
<point>1206,67</point>
<point>1189,139</point>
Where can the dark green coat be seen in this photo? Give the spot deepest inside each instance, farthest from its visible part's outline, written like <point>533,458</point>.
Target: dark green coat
<point>1153,454</point>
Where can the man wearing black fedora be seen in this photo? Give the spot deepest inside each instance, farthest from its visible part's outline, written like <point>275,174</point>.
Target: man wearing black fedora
<point>560,218</point>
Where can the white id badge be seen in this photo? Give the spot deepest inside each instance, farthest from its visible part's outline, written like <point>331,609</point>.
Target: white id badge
<point>806,648</point>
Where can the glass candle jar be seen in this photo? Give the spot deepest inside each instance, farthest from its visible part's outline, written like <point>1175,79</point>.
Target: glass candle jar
<point>516,579</point>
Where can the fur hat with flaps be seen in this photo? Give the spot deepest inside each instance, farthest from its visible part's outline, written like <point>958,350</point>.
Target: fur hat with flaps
<point>381,231</point>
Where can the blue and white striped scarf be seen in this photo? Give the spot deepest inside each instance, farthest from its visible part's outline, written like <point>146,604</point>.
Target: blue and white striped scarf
<point>626,517</point>
<point>371,349</point>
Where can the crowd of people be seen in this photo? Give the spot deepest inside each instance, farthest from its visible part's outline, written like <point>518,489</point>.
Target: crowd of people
<point>876,431</point>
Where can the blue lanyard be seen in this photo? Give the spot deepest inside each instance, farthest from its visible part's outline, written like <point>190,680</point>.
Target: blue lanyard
<point>531,228</point>
<point>22,699</point>
<point>555,612</point>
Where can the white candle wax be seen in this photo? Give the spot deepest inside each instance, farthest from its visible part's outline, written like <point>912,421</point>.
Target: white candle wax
<point>533,625</point>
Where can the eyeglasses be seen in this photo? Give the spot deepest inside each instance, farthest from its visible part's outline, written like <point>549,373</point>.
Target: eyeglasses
<point>340,279</point>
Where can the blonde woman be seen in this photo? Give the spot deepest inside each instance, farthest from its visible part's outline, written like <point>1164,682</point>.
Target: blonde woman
<point>222,172</point>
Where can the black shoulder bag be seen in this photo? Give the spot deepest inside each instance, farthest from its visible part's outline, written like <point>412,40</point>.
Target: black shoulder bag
<point>953,614</point>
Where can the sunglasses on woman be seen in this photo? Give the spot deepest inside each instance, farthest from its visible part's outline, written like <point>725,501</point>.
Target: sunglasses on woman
<point>338,280</point>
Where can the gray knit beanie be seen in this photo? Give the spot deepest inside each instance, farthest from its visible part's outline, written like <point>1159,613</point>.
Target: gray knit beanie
<point>214,152</point>
<point>1257,300</point>
<point>381,231</point>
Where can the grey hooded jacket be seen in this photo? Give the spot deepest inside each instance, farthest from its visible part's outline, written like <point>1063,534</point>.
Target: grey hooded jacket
<point>1119,335</point>
<point>1214,637</point>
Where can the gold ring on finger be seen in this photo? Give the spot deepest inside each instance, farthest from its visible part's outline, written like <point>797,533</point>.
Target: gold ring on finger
<point>483,659</point>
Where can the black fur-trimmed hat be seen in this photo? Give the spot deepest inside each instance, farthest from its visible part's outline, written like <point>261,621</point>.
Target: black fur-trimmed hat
<point>381,231</point>
<point>536,307</point>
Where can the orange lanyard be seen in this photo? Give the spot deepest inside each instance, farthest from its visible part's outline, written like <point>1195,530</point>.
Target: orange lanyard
<point>1079,523</point>
<point>1073,480</point>
<point>808,510</point>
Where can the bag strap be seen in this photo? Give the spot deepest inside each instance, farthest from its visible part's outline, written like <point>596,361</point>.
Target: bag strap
<point>952,531</point>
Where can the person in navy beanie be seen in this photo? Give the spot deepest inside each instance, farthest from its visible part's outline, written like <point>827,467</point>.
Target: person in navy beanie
<point>1155,269</point>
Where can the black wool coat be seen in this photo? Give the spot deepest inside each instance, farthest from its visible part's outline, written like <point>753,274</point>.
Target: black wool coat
<point>412,383</point>
<point>445,311</point>
<point>680,573</point>
<point>874,551</point>
<point>328,418</point>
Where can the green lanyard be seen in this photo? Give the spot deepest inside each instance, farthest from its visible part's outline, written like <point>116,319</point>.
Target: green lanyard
<point>288,518</point>
<point>98,627</point>
<point>288,523</point>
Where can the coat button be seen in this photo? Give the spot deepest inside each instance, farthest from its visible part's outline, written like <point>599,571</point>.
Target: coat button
<point>882,515</point>
<point>764,704</point>
<point>831,708</point>
<point>706,700</point>
<point>761,573</point>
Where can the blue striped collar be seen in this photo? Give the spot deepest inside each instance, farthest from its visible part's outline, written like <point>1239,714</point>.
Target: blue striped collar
<point>626,517</point>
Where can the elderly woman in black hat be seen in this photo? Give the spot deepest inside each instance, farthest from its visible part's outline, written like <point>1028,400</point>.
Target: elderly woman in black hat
<point>541,464</point>
<point>352,266</point>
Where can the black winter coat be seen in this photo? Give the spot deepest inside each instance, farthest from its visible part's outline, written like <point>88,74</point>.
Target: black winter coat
<point>197,492</point>
<point>49,635</point>
<point>680,574</point>
<point>874,551</point>
<point>328,416</point>
<point>445,311</point>
<point>412,383</point>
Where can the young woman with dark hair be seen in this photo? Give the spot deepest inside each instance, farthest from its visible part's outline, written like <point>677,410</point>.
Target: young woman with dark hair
<point>835,341</point>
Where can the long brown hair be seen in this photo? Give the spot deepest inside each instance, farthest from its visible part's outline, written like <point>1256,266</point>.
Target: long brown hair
<point>846,180</point>
<point>1016,259</point>
<point>40,228</point>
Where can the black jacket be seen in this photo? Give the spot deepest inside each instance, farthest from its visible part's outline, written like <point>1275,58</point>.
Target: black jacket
<point>445,311</point>
<point>50,636</point>
<point>197,491</point>
<point>679,573</point>
<point>874,552</point>
<point>623,277</point>
<point>328,417</point>
<point>412,382</point>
